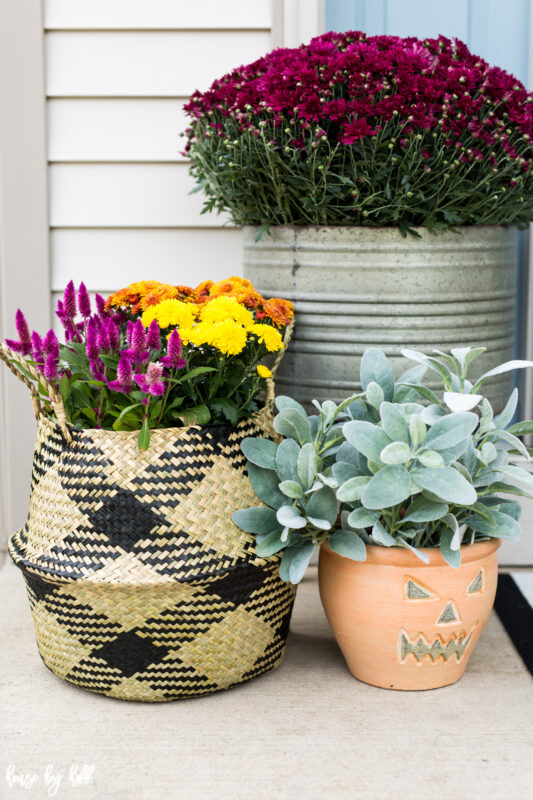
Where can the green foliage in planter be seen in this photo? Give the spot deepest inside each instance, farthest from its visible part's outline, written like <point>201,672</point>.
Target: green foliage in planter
<point>384,468</point>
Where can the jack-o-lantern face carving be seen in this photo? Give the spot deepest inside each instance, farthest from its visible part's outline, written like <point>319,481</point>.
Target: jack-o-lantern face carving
<point>448,624</point>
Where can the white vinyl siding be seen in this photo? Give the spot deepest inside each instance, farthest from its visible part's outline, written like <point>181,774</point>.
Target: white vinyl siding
<point>117,75</point>
<point>158,14</point>
<point>116,130</point>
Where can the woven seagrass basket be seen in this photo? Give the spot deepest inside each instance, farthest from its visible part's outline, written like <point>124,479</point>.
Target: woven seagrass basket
<point>140,585</point>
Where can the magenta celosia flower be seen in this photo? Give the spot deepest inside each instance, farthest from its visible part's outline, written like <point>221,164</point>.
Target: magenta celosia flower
<point>91,341</point>
<point>24,341</point>
<point>173,359</point>
<point>51,344</point>
<point>138,351</point>
<point>129,331</point>
<point>84,301</point>
<point>153,337</point>
<point>97,369</point>
<point>124,380</point>
<point>69,300</point>
<point>100,305</point>
<point>152,381</point>
<point>102,338</point>
<point>37,352</point>
<point>50,368</point>
<point>113,334</point>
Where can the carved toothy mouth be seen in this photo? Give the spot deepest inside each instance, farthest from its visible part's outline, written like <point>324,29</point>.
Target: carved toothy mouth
<point>420,646</point>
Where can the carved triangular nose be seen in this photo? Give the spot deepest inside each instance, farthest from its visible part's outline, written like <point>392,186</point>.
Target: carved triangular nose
<point>449,614</point>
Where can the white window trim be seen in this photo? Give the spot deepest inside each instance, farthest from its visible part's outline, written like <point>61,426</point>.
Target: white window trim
<point>24,242</point>
<point>297,21</point>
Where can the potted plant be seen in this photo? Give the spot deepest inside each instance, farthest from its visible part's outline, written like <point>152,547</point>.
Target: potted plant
<point>342,158</point>
<point>141,588</point>
<point>408,503</point>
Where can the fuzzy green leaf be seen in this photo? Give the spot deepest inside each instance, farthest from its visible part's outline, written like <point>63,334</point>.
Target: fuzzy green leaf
<point>388,487</point>
<point>451,556</point>
<point>381,536</point>
<point>348,544</point>
<point>343,471</point>
<point>266,486</point>
<point>287,460</point>
<point>394,422</point>
<point>256,520</point>
<point>291,489</point>
<point>430,458</point>
<point>352,489</point>
<point>362,518</point>
<point>270,544</point>
<point>308,465</point>
<point>376,367</point>
<point>282,402</point>
<point>395,453</point>
<point>300,562</point>
<point>293,425</point>
<point>447,484</point>
<point>290,517</point>
<point>422,510</point>
<point>323,505</point>
<point>366,437</point>
<point>450,430</point>
<point>260,451</point>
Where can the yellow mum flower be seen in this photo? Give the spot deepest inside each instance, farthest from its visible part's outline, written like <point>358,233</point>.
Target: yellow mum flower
<point>263,371</point>
<point>203,333</point>
<point>223,308</point>
<point>229,337</point>
<point>171,313</point>
<point>269,336</point>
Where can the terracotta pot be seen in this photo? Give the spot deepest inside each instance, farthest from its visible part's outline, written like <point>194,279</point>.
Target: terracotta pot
<point>402,624</point>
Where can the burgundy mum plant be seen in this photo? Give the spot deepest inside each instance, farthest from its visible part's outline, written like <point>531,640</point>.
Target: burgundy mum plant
<point>366,130</point>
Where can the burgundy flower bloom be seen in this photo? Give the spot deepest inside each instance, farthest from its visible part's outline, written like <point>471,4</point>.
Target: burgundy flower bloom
<point>353,131</point>
<point>124,381</point>
<point>152,381</point>
<point>173,358</point>
<point>153,337</point>
<point>84,301</point>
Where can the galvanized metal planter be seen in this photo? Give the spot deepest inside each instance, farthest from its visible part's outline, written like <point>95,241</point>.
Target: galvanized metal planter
<point>356,287</point>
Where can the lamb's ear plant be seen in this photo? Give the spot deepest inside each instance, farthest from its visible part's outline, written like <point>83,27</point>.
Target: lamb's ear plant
<point>395,466</point>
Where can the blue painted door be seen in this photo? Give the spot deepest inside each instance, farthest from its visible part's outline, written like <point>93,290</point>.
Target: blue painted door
<point>497,30</point>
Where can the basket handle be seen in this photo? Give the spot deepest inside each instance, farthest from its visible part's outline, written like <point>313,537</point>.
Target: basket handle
<point>10,358</point>
<point>271,385</point>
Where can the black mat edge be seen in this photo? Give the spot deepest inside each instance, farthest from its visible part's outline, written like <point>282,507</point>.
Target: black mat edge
<point>516,616</point>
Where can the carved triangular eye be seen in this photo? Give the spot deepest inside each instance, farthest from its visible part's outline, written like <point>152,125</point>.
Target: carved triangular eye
<point>414,590</point>
<point>448,615</point>
<point>477,583</point>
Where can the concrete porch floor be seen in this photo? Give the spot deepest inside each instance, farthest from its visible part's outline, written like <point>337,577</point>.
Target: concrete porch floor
<point>308,730</point>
